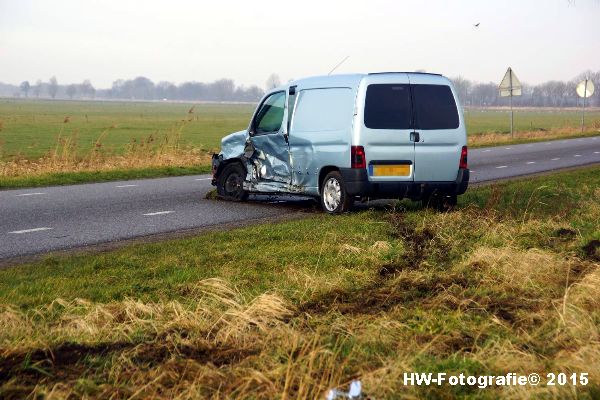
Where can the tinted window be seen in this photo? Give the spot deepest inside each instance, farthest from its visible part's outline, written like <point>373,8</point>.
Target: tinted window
<point>322,110</point>
<point>434,107</point>
<point>270,115</point>
<point>387,106</point>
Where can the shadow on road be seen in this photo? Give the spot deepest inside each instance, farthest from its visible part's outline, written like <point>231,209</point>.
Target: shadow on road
<point>310,204</point>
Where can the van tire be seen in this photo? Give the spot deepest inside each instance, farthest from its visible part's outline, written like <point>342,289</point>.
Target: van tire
<point>334,198</point>
<point>230,183</point>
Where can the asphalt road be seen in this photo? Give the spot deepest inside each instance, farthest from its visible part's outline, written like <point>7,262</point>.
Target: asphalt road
<point>40,220</point>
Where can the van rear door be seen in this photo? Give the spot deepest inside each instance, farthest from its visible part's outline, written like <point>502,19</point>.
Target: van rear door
<point>386,132</point>
<point>440,129</point>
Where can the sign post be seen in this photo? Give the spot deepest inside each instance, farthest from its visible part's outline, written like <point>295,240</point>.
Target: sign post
<point>509,87</point>
<point>585,89</point>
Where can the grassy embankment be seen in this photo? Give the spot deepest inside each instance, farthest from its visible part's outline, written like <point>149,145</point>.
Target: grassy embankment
<point>491,127</point>
<point>63,142</point>
<point>509,282</point>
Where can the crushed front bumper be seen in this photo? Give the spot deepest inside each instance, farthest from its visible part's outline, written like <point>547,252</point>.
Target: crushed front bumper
<point>216,163</point>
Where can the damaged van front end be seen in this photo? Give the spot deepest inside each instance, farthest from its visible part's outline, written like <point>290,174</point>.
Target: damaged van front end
<point>267,169</point>
<point>258,159</point>
<point>232,147</point>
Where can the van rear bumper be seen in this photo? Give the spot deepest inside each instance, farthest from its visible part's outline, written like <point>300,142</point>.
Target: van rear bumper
<point>357,184</point>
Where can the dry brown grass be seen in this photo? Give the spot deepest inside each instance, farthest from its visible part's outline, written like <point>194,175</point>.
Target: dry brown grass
<point>474,290</point>
<point>155,150</point>
<point>221,346</point>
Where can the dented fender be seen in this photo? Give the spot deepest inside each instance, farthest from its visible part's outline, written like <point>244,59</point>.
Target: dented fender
<point>266,159</point>
<point>232,146</point>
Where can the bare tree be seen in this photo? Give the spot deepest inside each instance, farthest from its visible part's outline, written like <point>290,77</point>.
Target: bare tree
<point>223,89</point>
<point>71,90</point>
<point>166,90</point>
<point>273,81</point>
<point>86,89</point>
<point>37,89</point>
<point>142,88</point>
<point>463,87</point>
<point>25,86</point>
<point>53,87</point>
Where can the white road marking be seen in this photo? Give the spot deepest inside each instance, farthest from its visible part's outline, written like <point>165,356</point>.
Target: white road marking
<point>547,143</point>
<point>485,151</point>
<point>555,159</point>
<point>507,148</point>
<point>502,166</point>
<point>159,213</point>
<point>122,186</point>
<point>203,179</point>
<point>29,194</point>
<point>597,152</point>
<point>31,230</point>
<point>577,155</point>
<point>530,162</point>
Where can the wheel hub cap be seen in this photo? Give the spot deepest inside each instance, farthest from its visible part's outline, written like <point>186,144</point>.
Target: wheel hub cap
<point>332,194</point>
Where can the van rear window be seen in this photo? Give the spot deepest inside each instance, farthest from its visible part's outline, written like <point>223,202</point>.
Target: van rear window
<point>435,107</point>
<point>387,106</point>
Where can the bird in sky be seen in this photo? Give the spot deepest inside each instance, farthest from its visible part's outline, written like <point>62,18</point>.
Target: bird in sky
<point>477,25</point>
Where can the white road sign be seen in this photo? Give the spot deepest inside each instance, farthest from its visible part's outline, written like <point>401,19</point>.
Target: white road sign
<point>510,85</point>
<point>585,88</point>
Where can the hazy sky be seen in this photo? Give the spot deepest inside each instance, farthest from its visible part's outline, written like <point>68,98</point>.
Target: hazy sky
<point>201,40</point>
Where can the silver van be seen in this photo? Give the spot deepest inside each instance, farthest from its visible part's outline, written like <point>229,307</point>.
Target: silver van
<point>346,137</point>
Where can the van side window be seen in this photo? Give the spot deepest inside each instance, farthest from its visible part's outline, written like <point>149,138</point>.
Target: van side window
<point>323,110</point>
<point>387,106</point>
<point>435,107</point>
<point>270,115</point>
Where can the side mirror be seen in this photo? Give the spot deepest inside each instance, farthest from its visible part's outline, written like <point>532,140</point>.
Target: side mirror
<point>292,91</point>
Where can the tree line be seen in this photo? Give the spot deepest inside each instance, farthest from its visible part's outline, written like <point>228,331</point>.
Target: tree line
<point>140,88</point>
<point>547,94</point>
<point>470,93</point>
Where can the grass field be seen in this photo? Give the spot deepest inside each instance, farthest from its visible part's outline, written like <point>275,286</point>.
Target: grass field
<point>509,282</point>
<point>50,139</point>
<point>31,128</point>
<point>498,121</point>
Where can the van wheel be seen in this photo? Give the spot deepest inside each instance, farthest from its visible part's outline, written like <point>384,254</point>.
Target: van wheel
<point>230,183</point>
<point>334,198</point>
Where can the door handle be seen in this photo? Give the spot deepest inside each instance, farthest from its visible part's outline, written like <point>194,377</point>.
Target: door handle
<point>415,137</point>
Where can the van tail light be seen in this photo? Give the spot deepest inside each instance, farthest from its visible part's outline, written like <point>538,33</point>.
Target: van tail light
<point>463,158</point>
<point>357,155</point>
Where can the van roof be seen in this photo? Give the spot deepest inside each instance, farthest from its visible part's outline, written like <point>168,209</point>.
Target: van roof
<point>404,72</point>
<point>342,80</point>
